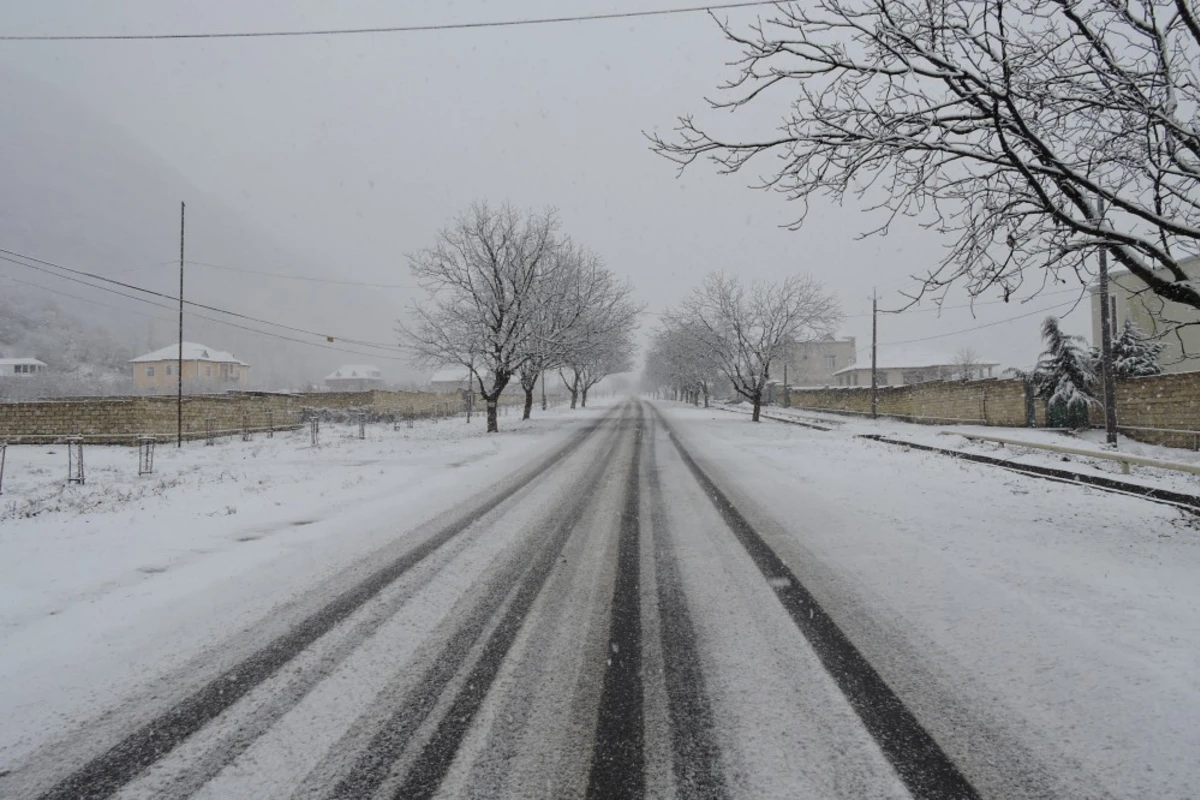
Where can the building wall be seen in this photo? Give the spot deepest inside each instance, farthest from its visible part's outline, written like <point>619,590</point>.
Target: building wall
<point>195,374</point>
<point>1155,316</point>
<point>809,363</point>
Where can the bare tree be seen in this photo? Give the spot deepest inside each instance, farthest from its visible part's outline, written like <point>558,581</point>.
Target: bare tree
<point>966,363</point>
<point>482,279</point>
<point>745,331</point>
<point>680,361</point>
<point>607,354</point>
<point>1007,124</point>
<point>596,337</point>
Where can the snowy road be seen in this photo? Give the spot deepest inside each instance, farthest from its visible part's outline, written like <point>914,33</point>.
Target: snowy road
<point>668,604</point>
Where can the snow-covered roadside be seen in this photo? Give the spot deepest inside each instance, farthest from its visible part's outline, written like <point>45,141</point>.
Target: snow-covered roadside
<point>949,437</point>
<point>111,585</point>
<point>1046,634</point>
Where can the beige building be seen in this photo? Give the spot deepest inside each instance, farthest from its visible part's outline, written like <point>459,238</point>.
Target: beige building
<point>815,363</point>
<point>1129,298</point>
<point>902,368</point>
<point>203,368</point>
<point>354,378</point>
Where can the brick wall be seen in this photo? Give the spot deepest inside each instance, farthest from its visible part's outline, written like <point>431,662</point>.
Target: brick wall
<point>120,420</point>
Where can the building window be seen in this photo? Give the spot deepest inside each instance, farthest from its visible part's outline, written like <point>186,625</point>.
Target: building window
<point>831,362</point>
<point>208,371</point>
<point>150,371</point>
<point>170,369</point>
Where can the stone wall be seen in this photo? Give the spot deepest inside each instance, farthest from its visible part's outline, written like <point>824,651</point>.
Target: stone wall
<point>986,402</point>
<point>120,420</point>
<point>1163,409</point>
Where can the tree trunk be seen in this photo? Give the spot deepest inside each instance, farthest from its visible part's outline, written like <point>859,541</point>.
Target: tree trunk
<point>492,407</point>
<point>574,397</point>
<point>757,406</point>
<point>528,403</point>
<point>706,397</point>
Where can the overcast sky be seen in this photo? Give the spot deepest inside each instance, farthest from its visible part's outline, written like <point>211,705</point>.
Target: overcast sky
<point>354,150</point>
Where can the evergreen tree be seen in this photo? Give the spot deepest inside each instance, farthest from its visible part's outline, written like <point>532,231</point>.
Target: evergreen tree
<point>1066,374</point>
<point>1135,355</point>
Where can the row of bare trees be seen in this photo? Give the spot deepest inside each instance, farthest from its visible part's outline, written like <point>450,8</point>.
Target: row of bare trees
<point>724,330</point>
<point>510,298</point>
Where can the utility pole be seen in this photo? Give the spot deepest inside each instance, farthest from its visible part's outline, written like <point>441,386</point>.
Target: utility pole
<point>874,336</point>
<point>1106,356</point>
<point>787,390</point>
<point>179,361</point>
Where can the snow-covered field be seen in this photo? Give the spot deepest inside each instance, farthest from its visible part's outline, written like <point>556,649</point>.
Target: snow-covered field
<point>1050,631</point>
<point>136,575</point>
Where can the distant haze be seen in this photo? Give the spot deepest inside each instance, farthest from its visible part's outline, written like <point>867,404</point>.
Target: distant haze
<point>334,157</point>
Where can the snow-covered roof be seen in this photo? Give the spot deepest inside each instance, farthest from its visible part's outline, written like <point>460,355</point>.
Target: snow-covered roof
<point>889,358</point>
<point>451,375</point>
<point>12,362</point>
<point>349,372</point>
<point>191,352</point>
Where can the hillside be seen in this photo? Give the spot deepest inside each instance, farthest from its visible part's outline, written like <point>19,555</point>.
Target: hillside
<point>81,192</point>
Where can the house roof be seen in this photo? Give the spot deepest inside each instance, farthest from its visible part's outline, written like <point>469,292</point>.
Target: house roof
<point>349,372</point>
<point>912,359</point>
<point>451,375</point>
<point>11,362</point>
<point>191,352</point>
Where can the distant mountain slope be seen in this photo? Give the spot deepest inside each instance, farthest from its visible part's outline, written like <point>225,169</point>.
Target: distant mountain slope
<point>79,191</point>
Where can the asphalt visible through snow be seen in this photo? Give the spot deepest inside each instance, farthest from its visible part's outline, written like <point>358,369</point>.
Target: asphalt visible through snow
<point>605,623</point>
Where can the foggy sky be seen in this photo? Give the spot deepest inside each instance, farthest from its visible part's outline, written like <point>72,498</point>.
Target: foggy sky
<point>353,151</point>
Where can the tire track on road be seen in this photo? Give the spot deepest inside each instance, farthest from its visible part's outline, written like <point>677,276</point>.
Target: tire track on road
<point>925,769</point>
<point>105,774</point>
<point>618,757</point>
<point>503,610</point>
<point>694,749</point>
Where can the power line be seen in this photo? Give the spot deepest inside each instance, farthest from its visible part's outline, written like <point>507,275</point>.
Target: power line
<point>448,26</point>
<point>301,277</point>
<point>192,314</point>
<point>165,296</point>
<point>910,310</point>
<point>203,316</point>
<point>975,327</point>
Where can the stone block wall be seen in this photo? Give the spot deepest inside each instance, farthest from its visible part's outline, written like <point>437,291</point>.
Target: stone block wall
<point>120,420</point>
<point>1162,409</point>
<point>986,402</point>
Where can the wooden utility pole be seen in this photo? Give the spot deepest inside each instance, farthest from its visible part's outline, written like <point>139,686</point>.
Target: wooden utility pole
<point>1106,355</point>
<point>179,360</point>
<point>874,335</point>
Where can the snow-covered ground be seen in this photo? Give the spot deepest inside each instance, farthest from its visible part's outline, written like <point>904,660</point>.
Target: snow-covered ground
<point>1047,635</point>
<point>949,437</point>
<point>106,586</point>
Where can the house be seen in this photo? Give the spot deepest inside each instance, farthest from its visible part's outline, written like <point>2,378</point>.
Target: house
<point>21,367</point>
<point>203,368</point>
<point>904,367</point>
<point>451,379</point>
<point>459,379</point>
<point>1172,324</point>
<point>354,378</point>
<point>815,363</point>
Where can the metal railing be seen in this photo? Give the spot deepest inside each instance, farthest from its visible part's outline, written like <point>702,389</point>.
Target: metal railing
<point>1124,459</point>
